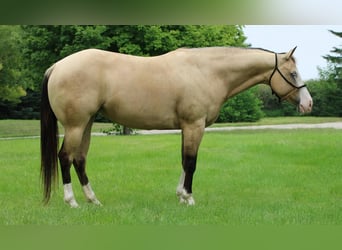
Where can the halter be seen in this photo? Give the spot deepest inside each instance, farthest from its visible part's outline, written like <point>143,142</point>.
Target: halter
<point>295,88</point>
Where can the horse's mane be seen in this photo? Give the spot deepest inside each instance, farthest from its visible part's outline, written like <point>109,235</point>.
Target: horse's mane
<point>262,49</point>
<point>229,48</point>
<point>266,50</point>
<point>232,49</point>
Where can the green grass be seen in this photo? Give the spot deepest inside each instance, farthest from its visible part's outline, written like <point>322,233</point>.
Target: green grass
<point>265,177</point>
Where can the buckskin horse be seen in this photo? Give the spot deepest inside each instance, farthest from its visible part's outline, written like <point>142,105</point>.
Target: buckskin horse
<point>183,89</point>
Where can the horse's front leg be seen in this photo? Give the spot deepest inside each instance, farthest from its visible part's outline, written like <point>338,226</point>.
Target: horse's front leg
<point>191,138</point>
<point>184,189</point>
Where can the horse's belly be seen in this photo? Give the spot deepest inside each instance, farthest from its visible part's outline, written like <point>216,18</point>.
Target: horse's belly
<point>142,118</point>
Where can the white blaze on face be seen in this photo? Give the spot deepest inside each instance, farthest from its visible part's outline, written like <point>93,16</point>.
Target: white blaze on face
<point>305,99</point>
<point>305,104</point>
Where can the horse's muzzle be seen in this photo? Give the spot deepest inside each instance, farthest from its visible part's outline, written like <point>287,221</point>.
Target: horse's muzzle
<point>305,107</point>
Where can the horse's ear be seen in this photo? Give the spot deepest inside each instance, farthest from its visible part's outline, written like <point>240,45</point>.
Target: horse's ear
<point>290,53</point>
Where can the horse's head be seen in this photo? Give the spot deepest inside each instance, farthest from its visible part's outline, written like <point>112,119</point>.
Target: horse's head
<point>286,83</point>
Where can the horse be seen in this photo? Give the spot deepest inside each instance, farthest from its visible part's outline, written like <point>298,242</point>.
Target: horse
<point>182,89</point>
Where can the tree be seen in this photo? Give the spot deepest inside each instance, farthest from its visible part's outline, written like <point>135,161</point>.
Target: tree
<point>333,76</point>
<point>152,40</point>
<point>11,82</point>
<point>336,59</point>
<point>321,91</point>
<point>245,107</point>
<point>44,45</point>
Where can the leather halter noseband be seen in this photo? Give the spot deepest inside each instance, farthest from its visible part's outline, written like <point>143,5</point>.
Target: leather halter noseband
<point>295,88</point>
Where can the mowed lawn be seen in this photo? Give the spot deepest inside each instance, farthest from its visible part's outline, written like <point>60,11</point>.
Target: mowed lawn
<point>267,177</point>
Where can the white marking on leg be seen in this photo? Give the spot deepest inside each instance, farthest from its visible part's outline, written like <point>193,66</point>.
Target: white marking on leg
<point>69,195</point>
<point>90,195</point>
<point>180,186</point>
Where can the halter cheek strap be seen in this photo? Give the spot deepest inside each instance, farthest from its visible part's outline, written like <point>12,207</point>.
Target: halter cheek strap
<point>295,88</point>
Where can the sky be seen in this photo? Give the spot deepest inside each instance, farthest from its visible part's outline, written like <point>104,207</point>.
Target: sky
<point>313,41</point>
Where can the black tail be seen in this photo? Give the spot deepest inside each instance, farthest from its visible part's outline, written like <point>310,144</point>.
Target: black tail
<point>48,141</point>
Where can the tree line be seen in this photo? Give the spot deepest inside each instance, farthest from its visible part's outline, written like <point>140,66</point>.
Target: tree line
<point>27,51</point>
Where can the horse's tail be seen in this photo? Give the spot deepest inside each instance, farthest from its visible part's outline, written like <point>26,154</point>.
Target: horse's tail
<point>48,140</point>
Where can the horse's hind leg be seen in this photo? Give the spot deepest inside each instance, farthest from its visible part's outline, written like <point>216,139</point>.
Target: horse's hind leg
<point>74,151</point>
<point>65,160</point>
<point>80,165</point>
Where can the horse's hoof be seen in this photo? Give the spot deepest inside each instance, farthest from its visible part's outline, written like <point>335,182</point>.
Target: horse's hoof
<point>185,198</point>
<point>95,202</point>
<point>189,201</point>
<point>72,203</point>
